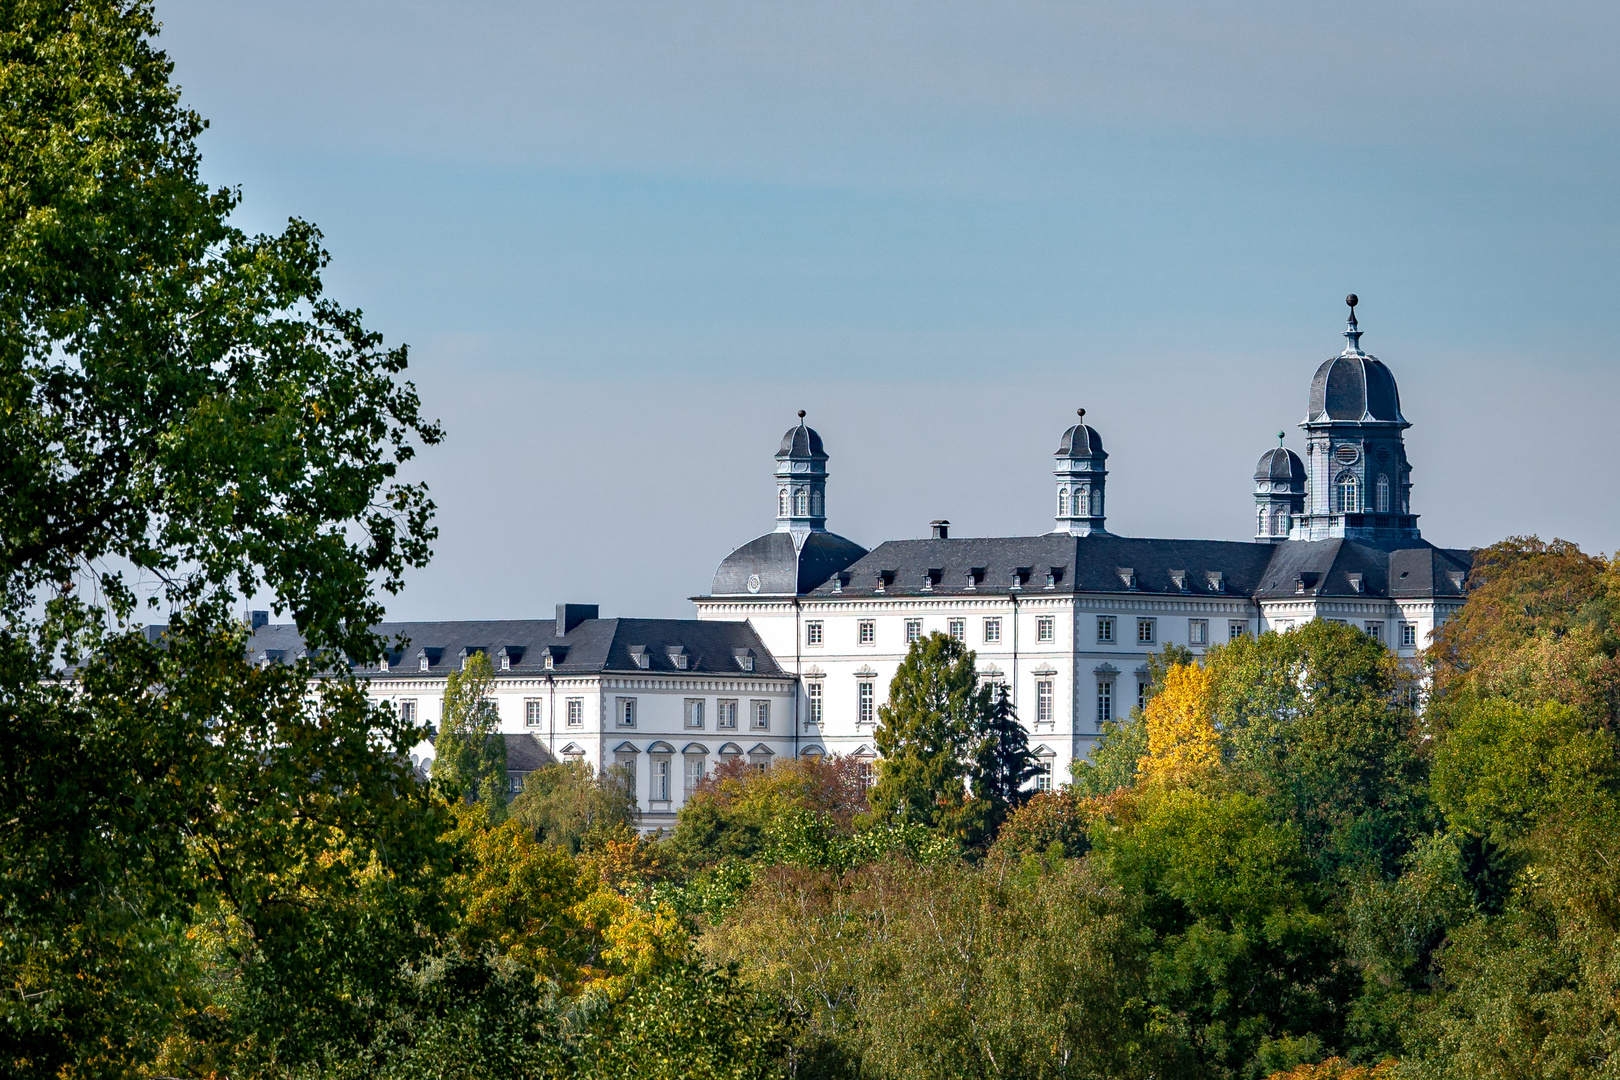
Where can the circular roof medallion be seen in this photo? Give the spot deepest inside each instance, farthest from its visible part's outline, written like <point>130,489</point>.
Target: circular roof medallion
<point>753,583</point>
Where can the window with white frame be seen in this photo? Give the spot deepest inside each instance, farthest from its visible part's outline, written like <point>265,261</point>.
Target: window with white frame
<point>1408,634</point>
<point>1198,631</point>
<point>992,631</point>
<point>1375,630</point>
<point>866,632</point>
<point>531,711</point>
<point>1237,628</point>
<point>957,628</point>
<point>576,712</point>
<point>1045,701</point>
<point>813,693</point>
<point>1046,629</point>
<point>813,632</point>
<point>913,631</point>
<point>781,502</point>
<point>865,772</point>
<point>864,701</point>
<point>694,773</point>
<point>624,711</point>
<point>725,714</point>
<point>1141,694</point>
<point>801,503</point>
<point>407,711</point>
<point>759,715</point>
<point>1347,499</point>
<point>1105,701</point>
<point>1383,494</point>
<point>694,713</point>
<point>659,780</point>
<point>1043,774</point>
<point>1063,502</point>
<point>1146,631</point>
<point>1105,629</point>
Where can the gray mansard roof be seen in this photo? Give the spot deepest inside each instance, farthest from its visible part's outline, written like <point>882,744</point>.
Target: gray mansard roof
<point>785,566</point>
<point>591,647</point>
<point>1402,569</point>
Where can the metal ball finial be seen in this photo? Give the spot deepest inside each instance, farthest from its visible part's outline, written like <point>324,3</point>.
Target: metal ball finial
<point>1081,413</point>
<point>1281,435</point>
<point>1352,300</point>
<point>801,414</point>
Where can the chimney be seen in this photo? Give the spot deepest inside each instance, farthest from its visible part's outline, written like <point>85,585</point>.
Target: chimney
<point>942,529</point>
<point>257,619</point>
<point>571,615</point>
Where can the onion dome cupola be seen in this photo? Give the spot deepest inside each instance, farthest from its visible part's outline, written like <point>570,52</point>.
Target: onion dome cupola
<point>1081,473</point>
<point>1358,481</point>
<point>1279,493</point>
<point>800,553</point>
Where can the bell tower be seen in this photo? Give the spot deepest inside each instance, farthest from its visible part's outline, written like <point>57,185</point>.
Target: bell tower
<point>1081,475</point>
<point>801,481</point>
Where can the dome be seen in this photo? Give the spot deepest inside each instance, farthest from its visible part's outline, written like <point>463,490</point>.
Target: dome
<point>1080,441</point>
<point>1279,463</point>
<point>776,565</point>
<point>1355,387</point>
<point>801,442</point>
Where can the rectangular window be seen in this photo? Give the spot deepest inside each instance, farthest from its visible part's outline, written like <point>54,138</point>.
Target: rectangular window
<point>625,711</point>
<point>759,716</point>
<point>1146,631</point>
<point>1236,629</point>
<point>1046,629</point>
<point>1043,774</point>
<point>867,632</point>
<point>812,632</point>
<point>627,764</point>
<point>514,781</point>
<point>957,628</point>
<point>913,630</point>
<point>407,711</point>
<point>1375,630</point>
<point>863,702</point>
<point>694,712</point>
<point>1198,631</point>
<point>660,780</point>
<point>576,712</point>
<point>1044,701</point>
<point>694,773</point>
<point>1141,695</point>
<point>725,715</point>
<point>1105,629</point>
<point>813,689</point>
<point>992,631</point>
<point>865,773</point>
<point>1408,634</point>
<point>531,712</point>
<point>1105,701</point>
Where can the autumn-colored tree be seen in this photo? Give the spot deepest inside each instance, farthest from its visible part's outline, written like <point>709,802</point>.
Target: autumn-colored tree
<point>1183,744</point>
<point>570,806</point>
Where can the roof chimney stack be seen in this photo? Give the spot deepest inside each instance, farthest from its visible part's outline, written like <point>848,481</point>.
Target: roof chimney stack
<point>571,615</point>
<point>942,529</point>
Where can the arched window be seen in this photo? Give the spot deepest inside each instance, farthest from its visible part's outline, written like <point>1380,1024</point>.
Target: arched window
<point>781,502</point>
<point>1383,493</point>
<point>1348,497</point>
<point>801,501</point>
<point>1063,502</point>
<point>1279,523</point>
<point>1260,521</point>
<point>1082,502</point>
<point>815,504</point>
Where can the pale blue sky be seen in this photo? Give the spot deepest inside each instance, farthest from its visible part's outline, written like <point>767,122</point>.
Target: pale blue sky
<point>626,241</point>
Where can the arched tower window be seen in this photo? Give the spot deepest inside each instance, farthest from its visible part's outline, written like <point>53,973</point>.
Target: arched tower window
<point>1383,493</point>
<point>1082,502</point>
<point>781,502</point>
<point>1063,502</point>
<point>815,504</point>
<point>1279,523</point>
<point>801,500</point>
<point>1348,501</point>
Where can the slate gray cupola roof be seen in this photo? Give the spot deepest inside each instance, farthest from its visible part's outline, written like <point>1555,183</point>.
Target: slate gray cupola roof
<point>1279,463</point>
<point>1081,440</point>
<point>1355,386</point>
<point>802,442</point>
<point>593,646</point>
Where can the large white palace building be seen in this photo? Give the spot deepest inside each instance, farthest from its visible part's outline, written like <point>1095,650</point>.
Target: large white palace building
<point>793,647</point>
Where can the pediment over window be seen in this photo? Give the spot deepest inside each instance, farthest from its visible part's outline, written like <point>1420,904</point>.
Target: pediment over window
<point>730,749</point>
<point>812,751</point>
<point>1046,669</point>
<point>1106,669</point>
<point>626,747</point>
<point>660,748</point>
<point>866,671</point>
<point>814,672</point>
<point>696,749</point>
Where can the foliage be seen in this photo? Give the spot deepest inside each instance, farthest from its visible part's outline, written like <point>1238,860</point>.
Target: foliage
<point>1183,744</point>
<point>570,807</point>
<point>1051,822</point>
<point>732,811</point>
<point>1000,764</point>
<point>469,753</point>
<point>1115,757</point>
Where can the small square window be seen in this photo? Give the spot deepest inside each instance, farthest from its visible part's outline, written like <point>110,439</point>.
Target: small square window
<point>1045,629</point>
<point>957,628</point>
<point>531,712</point>
<point>1146,631</point>
<point>694,712</point>
<point>576,712</point>
<point>913,631</point>
<point>1237,628</point>
<point>1408,634</point>
<point>725,715</point>
<point>866,632</point>
<point>992,631</point>
<point>759,716</point>
<point>1198,631</point>
<point>1105,629</point>
<point>812,632</point>
<point>1375,630</point>
<point>625,712</point>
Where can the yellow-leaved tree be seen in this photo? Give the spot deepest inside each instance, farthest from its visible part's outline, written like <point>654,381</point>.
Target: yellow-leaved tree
<point>1182,741</point>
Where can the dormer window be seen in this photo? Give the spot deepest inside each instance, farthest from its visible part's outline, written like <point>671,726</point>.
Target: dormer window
<point>640,656</point>
<point>553,655</point>
<point>1216,581</point>
<point>1358,583</point>
<point>931,578</point>
<point>1178,578</point>
<point>974,576</point>
<point>745,659</point>
<point>468,653</point>
<point>1306,582</point>
<point>430,656</point>
<point>551,661</point>
<point>422,665</point>
<point>885,578</point>
<point>1020,576</point>
<point>678,657</point>
<point>1127,575</point>
<point>506,662</point>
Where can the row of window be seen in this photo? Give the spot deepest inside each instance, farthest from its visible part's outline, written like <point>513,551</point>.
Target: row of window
<point>1147,630</point>
<point>815,630</point>
<point>1373,628</point>
<point>725,714</point>
<point>624,712</point>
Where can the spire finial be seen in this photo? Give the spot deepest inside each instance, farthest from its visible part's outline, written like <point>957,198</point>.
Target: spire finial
<point>1081,413</point>
<point>1281,435</point>
<point>801,416</point>
<point>1353,332</point>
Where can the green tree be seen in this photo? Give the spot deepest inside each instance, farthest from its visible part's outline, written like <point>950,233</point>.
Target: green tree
<point>187,420</point>
<point>469,754</point>
<point>1000,764</point>
<point>1122,744</point>
<point>924,731</point>
<point>570,807</point>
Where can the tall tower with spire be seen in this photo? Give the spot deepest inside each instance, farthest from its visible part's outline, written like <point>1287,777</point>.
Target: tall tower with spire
<point>1081,475</point>
<point>801,481</point>
<point>1359,481</point>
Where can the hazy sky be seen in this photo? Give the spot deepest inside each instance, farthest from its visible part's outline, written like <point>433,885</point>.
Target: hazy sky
<point>627,241</point>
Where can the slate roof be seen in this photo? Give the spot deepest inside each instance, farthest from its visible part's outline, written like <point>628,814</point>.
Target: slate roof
<point>1354,386</point>
<point>1279,463</point>
<point>1393,568</point>
<point>593,646</point>
<point>525,753</point>
<point>1080,441</point>
<point>784,567</point>
<point>802,442</point>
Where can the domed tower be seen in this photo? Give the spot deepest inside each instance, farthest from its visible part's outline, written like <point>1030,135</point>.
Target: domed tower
<point>1279,493</point>
<point>1081,474</point>
<point>801,481</point>
<point>1359,481</point>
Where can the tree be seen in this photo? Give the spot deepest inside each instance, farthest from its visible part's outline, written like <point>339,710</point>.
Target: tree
<point>1000,763</point>
<point>187,420</point>
<point>470,755</point>
<point>1183,744</point>
<point>570,807</point>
